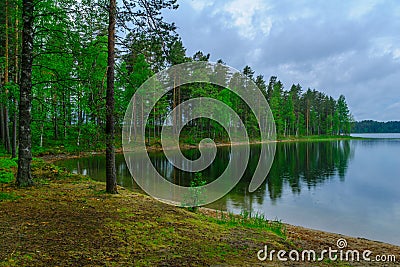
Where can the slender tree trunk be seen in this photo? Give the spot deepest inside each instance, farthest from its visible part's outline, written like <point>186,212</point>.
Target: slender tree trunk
<point>7,145</point>
<point>134,117</point>
<point>65,119</point>
<point>111,178</point>
<point>55,119</point>
<point>15,103</point>
<point>308,116</point>
<point>2,127</point>
<point>80,118</point>
<point>24,177</point>
<point>6,80</point>
<point>154,115</point>
<point>173,107</point>
<point>14,132</point>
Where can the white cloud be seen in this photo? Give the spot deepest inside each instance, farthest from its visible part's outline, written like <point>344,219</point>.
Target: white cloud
<point>249,17</point>
<point>396,53</point>
<point>199,5</point>
<point>266,26</point>
<point>385,46</point>
<point>361,8</point>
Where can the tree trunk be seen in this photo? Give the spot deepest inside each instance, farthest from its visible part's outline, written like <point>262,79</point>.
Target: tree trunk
<point>2,132</point>
<point>24,177</point>
<point>15,103</point>
<point>6,80</point>
<point>54,106</point>
<point>111,178</point>
<point>308,116</point>
<point>14,132</point>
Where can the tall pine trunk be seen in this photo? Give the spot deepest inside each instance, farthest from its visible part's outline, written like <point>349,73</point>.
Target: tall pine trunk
<point>6,80</point>
<point>24,177</point>
<point>111,179</point>
<point>2,132</point>
<point>16,66</point>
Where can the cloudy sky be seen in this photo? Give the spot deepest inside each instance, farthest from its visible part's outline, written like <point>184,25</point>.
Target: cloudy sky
<point>338,47</point>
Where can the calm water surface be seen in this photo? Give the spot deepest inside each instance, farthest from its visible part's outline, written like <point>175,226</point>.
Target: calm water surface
<point>378,135</point>
<point>348,187</point>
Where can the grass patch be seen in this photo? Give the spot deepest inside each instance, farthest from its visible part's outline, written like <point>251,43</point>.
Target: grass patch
<point>8,196</point>
<point>7,169</point>
<point>251,220</point>
<point>317,138</point>
<point>42,172</point>
<point>6,177</point>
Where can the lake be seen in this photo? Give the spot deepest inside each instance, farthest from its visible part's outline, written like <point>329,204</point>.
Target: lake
<point>350,187</point>
<point>377,135</point>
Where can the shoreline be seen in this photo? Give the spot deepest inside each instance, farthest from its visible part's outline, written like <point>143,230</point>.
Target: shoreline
<point>304,231</point>
<point>71,155</point>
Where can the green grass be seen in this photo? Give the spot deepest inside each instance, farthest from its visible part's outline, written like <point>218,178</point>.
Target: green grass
<point>6,170</point>
<point>42,172</point>
<point>6,177</point>
<point>8,196</point>
<point>317,138</point>
<point>252,220</point>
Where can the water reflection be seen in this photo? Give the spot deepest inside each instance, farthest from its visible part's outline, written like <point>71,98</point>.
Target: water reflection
<point>296,164</point>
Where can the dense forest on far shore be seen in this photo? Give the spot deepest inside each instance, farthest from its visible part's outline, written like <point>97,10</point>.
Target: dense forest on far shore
<point>370,126</point>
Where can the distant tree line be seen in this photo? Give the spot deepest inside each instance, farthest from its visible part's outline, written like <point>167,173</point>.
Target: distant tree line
<point>370,126</point>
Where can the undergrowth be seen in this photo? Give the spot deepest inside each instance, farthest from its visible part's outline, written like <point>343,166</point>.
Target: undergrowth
<point>251,220</point>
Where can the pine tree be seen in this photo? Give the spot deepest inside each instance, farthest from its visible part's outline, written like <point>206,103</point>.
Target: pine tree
<point>111,176</point>
<point>24,176</point>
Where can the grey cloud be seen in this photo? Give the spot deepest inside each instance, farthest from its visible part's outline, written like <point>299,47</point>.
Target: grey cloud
<point>328,45</point>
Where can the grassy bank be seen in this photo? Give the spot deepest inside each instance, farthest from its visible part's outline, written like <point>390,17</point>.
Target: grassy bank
<point>68,220</point>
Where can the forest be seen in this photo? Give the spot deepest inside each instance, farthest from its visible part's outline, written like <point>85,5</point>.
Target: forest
<point>69,69</point>
<point>370,126</point>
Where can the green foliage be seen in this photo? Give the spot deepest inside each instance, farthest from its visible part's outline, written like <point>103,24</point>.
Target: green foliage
<point>309,113</point>
<point>6,173</point>
<point>7,168</point>
<point>6,163</point>
<point>6,176</point>
<point>3,152</point>
<point>343,115</point>
<point>43,172</point>
<point>196,195</point>
<point>252,220</point>
<point>369,126</point>
<point>8,196</point>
